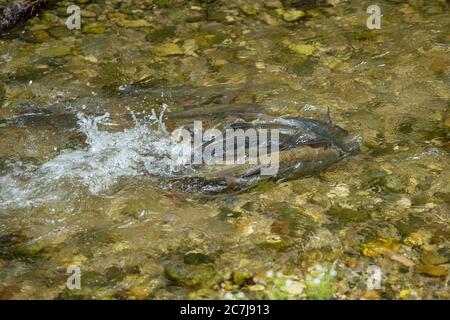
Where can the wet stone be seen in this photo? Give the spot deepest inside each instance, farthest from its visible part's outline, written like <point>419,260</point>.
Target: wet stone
<point>59,32</point>
<point>348,215</point>
<point>215,13</point>
<point>432,271</point>
<point>35,36</point>
<point>95,27</point>
<point>140,23</point>
<point>276,242</point>
<point>293,15</point>
<point>394,183</point>
<point>249,10</point>
<point>114,273</point>
<point>433,258</point>
<point>57,51</point>
<point>379,246</point>
<point>273,4</point>
<point>168,49</point>
<point>241,277</point>
<point>197,258</point>
<point>96,279</point>
<point>192,275</point>
<point>161,34</point>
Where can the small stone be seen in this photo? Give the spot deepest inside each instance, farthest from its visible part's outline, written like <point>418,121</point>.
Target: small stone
<point>380,246</point>
<point>304,49</point>
<point>168,49</point>
<point>88,14</point>
<point>95,28</point>
<point>276,242</point>
<point>256,287</point>
<point>394,183</point>
<point>36,36</point>
<point>260,65</point>
<point>401,259</point>
<point>404,203</point>
<point>293,15</point>
<point>196,17</point>
<point>447,123</point>
<point>189,47</point>
<point>341,191</point>
<point>433,258</point>
<point>371,295</point>
<point>268,19</point>
<point>75,261</point>
<point>417,239</point>
<point>405,294</point>
<point>433,271</point>
<point>351,262</point>
<point>217,62</point>
<point>59,32</point>
<point>280,227</point>
<point>294,287</point>
<point>249,10</point>
<point>57,51</point>
<point>273,4</point>
<point>197,258</point>
<point>346,214</point>
<point>161,34</point>
<point>91,58</point>
<point>138,292</point>
<point>241,277</point>
<point>121,246</point>
<point>140,23</point>
<point>192,275</point>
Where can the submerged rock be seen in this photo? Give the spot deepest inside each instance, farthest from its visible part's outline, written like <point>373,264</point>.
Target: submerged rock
<point>433,258</point>
<point>96,28</point>
<point>197,258</point>
<point>293,15</point>
<point>192,275</point>
<point>35,36</point>
<point>432,271</point>
<point>57,51</point>
<point>59,32</point>
<point>168,49</point>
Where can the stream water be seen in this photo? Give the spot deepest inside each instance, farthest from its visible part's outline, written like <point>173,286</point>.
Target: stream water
<point>85,157</point>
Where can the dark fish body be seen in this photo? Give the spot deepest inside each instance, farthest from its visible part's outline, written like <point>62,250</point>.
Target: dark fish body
<point>18,12</point>
<point>306,147</point>
<point>216,110</point>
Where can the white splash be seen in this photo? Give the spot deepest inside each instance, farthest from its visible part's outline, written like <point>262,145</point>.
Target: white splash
<point>145,149</point>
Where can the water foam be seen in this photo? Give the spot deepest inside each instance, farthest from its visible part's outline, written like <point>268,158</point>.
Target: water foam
<point>144,149</point>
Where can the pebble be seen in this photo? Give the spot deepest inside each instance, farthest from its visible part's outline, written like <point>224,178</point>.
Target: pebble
<point>433,271</point>
<point>294,287</point>
<point>301,48</point>
<point>168,49</point>
<point>141,23</point>
<point>95,28</point>
<point>293,15</point>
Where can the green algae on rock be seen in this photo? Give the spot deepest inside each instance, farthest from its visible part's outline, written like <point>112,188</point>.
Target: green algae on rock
<point>192,275</point>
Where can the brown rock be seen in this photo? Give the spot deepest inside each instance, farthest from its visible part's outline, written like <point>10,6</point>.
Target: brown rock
<point>433,271</point>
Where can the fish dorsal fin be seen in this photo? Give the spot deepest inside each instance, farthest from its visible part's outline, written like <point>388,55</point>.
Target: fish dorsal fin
<point>327,118</point>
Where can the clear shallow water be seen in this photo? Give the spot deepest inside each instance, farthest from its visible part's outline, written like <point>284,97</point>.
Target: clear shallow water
<point>85,193</point>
